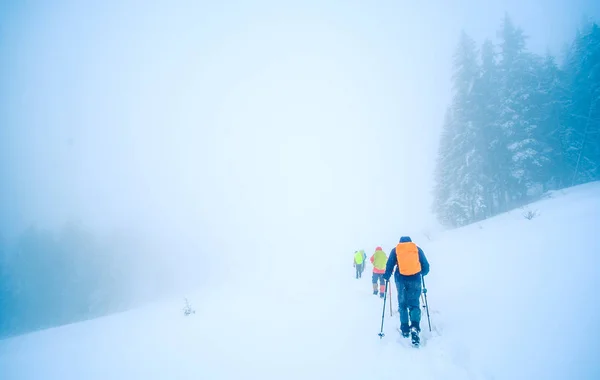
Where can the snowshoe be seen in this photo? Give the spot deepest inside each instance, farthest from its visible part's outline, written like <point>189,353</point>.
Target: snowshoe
<point>414,337</point>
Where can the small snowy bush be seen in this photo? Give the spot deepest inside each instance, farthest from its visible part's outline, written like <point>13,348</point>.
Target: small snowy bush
<point>187,309</point>
<point>528,214</point>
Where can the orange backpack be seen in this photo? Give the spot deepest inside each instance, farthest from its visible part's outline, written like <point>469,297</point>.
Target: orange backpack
<point>407,255</point>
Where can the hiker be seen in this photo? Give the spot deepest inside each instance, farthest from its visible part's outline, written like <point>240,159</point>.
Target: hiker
<point>410,263</point>
<point>359,263</point>
<point>379,260</point>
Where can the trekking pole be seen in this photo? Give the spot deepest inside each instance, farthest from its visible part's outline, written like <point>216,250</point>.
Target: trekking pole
<point>426,305</point>
<point>391,309</point>
<point>381,334</point>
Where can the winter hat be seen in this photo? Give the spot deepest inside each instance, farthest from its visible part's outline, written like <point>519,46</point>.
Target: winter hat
<point>378,249</point>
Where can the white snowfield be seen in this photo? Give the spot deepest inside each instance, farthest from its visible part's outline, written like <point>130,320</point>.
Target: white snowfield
<point>510,298</point>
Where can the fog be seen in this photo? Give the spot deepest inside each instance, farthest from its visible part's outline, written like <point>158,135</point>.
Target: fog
<point>225,136</point>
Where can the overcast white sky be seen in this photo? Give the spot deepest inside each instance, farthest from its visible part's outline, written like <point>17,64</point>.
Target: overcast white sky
<point>263,123</point>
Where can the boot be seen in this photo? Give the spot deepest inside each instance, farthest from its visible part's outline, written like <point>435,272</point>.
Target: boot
<point>404,329</point>
<point>416,326</point>
<point>414,333</point>
<point>374,292</point>
<point>381,295</point>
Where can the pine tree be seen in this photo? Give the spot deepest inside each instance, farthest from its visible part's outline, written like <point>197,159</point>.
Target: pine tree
<point>458,193</point>
<point>582,137</point>
<point>491,140</point>
<point>518,85</point>
<point>549,103</point>
<point>448,205</point>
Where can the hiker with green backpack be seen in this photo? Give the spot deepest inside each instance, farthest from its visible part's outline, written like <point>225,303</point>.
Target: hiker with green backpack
<point>359,262</point>
<point>379,261</point>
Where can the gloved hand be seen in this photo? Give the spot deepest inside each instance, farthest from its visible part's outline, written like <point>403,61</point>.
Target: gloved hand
<point>424,290</point>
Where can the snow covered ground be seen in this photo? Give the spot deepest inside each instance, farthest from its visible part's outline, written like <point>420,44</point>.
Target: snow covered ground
<point>510,298</point>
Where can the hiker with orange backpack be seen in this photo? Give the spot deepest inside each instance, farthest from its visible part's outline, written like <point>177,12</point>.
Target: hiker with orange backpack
<point>379,260</point>
<point>411,264</point>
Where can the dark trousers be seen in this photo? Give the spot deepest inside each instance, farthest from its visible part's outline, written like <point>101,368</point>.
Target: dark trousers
<point>378,278</point>
<point>359,270</point>
<point>409,301</point>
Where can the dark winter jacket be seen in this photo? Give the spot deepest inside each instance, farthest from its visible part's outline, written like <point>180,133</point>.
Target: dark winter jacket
<point>392,261</point>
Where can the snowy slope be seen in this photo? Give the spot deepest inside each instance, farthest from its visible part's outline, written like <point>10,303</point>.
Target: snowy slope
<point>510,298</point>
<point>530,295</point>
